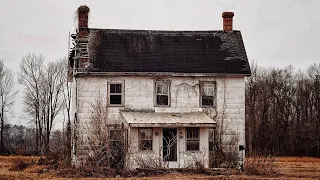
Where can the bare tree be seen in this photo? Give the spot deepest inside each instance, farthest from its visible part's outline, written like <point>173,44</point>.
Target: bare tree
<point>66,108</point>
<point>52,89</point>
<point>43,94</point>
<point>31,72</point>
<point>7,95</point>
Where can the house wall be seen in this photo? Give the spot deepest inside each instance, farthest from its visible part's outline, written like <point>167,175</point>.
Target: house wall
<point>139,95</point>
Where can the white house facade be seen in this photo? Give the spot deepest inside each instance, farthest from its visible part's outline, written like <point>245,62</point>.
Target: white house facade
<point>174,109</point>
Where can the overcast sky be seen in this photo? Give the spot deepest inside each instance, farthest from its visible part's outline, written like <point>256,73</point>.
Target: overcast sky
<point>275,32</point>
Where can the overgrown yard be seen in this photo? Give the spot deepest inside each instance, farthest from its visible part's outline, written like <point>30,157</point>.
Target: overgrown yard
<point>22,167</point>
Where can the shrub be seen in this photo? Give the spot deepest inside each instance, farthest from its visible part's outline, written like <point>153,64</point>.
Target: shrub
<point>261,165</point>
<point>20,164</point>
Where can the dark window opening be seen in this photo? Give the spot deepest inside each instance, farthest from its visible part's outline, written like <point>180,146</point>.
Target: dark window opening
<point>207,100</point>
<point>162,100</point>
<point>115,94</point>
<point>115,99</point>
<point>211,139</point>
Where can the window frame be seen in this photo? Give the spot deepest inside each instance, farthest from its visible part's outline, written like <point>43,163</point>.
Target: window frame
<point>168,83</point>
<point>139,140</point>
<point>122,93</point>
<point>198,139</point>
<point>214,83</point>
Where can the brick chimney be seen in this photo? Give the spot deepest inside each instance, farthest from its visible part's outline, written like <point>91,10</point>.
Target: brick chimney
<point>83,13</point>
<point>83,32</point>
<point>227,21</point>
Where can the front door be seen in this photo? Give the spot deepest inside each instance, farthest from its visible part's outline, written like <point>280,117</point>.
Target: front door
<point>169,142</point>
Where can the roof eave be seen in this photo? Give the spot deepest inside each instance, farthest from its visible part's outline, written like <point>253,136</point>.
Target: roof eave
<point>173,74</point>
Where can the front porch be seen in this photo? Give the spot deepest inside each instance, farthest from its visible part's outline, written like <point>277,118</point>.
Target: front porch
<point>167,140</point>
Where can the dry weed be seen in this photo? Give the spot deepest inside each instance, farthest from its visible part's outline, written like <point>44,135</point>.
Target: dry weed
<point>261,165</point>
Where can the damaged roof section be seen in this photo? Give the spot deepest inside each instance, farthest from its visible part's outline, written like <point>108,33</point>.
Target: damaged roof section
<point>113,50</point>
<point>152,119</point>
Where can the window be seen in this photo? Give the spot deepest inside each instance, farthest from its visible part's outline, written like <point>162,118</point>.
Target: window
<point>145,139</point>
<point>115,93</point>
<point>115,137</point>
<point>211,139</point>
<point>162,93</point>
<point>208,94</point>
<point>193,139</point>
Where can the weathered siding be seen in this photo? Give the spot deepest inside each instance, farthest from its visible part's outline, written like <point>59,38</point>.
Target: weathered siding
<point>139,95</point>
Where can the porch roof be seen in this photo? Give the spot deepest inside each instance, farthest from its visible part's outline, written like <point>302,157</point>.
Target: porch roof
<point>152,119</point>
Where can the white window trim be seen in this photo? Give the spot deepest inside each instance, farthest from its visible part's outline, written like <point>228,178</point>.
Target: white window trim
<point>122,93</point>
<point>155,93</point>
<point>139,140</point>
<point>193,138</point>
<point>214,83</point>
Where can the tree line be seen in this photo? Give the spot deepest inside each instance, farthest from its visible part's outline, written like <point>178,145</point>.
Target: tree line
<point>283,111</point>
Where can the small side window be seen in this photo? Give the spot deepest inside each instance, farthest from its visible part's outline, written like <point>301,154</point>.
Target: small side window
<point>115,94</point>
<point>211,139</point>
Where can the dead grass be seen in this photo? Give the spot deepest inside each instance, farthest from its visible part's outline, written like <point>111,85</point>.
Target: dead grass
<point>302,167</point>
<point>289,167</point>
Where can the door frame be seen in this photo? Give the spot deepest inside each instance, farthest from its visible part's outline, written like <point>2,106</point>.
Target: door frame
<point>176,146</point>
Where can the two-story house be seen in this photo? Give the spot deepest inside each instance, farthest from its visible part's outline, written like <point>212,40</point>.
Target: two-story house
<point>177,93</point>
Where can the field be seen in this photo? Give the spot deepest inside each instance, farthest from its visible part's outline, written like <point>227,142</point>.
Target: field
<point>289,168</point>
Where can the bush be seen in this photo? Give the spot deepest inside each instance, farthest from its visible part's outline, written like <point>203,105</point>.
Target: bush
<point>261,165</point>
<point>20,165</point>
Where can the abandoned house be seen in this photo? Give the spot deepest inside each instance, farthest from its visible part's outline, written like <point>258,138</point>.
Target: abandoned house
<point>174,98</point>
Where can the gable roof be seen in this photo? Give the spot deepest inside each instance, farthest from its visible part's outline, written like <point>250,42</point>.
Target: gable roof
<point>114,50</point>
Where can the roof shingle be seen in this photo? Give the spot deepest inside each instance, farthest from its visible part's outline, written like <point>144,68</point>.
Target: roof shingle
<point>112,50</point>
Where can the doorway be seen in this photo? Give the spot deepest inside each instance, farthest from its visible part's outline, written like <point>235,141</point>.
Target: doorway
<point>169,142</point>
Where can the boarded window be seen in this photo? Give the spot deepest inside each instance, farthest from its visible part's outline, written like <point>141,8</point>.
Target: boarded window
<point>162,93</point>
<point>145,139</point>
<point>208,94</point>
<point>115,94</point>
<point>193,139</point>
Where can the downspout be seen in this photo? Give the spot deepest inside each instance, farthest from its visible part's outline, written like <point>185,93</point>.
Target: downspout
<point>75,122</point>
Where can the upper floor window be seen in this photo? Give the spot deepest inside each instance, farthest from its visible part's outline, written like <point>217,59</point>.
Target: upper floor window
<point>208,94</point>
<point>162,93</point>
<point>115,93</point>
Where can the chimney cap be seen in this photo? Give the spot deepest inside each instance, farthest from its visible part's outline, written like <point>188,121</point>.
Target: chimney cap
<point>83,9</point>
<point>227,14</point>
